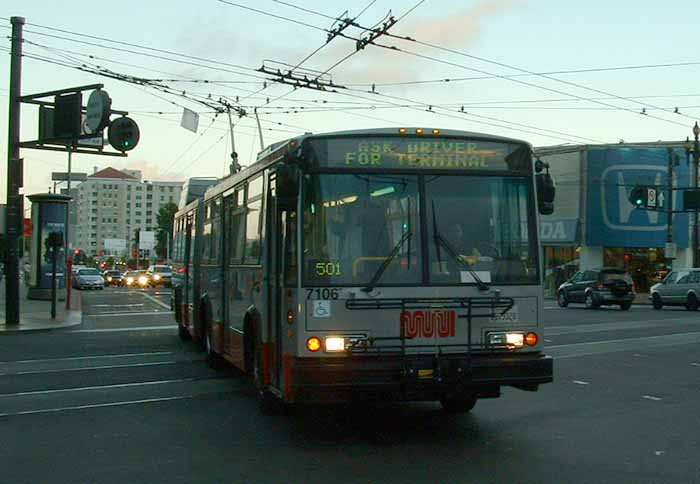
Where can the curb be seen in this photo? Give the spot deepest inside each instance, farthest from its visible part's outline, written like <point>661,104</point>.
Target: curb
<point>73,318</point>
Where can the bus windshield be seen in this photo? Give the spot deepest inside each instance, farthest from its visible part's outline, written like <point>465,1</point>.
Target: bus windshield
<point>354,222</point>
<point>365,229</point>
<point>481,224</point>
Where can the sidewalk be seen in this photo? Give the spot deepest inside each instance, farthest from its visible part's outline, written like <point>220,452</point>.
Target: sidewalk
<point>36,315</point>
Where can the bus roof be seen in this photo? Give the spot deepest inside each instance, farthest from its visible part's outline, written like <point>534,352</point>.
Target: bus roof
<point>411,132</point>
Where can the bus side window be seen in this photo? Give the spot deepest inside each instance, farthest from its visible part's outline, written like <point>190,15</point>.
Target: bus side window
<point>252,233</point>
<point>237,227</point>
<point>290,248</point>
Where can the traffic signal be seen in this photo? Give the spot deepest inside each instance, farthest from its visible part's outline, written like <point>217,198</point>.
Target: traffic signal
<point>123,134</point>
<point>638,196</point>
<point>76,252</point>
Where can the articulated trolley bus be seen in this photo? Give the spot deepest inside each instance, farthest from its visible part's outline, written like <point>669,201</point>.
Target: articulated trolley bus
<point>384,263</point>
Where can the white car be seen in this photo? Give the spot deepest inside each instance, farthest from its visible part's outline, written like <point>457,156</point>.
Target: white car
<point>88,279</point>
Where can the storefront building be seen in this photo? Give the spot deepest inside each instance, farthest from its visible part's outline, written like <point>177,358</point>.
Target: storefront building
<point>594,224</point>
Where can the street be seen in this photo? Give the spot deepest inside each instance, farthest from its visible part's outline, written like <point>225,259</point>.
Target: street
<point>121,399</point>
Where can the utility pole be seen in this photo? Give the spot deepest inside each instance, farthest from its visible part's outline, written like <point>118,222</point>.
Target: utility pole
<point>694,174</point>
<point>669,204</point>
<point>14,177</point>
<point>695,151</point>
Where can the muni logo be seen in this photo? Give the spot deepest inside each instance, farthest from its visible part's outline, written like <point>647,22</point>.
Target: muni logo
<point>427,324</point>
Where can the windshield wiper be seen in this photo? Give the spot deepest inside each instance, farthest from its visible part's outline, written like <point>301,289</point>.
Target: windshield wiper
<point>440,241</point>
<point>385,264</point>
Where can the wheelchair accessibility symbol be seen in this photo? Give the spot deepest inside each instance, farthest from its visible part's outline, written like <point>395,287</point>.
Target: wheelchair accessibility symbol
<point>322,309</point>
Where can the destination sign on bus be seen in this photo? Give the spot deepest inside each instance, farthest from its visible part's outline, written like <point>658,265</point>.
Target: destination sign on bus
<point>416,153</point>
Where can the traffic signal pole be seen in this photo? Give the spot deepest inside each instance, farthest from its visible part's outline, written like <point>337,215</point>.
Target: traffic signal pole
<point>13,215</point>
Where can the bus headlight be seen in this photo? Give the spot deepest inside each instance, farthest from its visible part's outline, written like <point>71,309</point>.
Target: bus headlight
<point>334,344</point>
<point>511,340</point>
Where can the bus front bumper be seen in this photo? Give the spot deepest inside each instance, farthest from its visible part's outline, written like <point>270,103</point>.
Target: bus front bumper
<point>415,377</point>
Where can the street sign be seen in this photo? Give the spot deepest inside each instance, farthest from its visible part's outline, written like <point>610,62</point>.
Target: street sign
<point>651,197</point>
<point>67,116</point>
<point>63,176</point>
<point>147,239</point>
<point>97,111</point>
<point>190,120</point>
<point>670,250</point>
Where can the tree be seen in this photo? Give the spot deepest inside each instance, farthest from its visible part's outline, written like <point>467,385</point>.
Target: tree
<point>165,220</point>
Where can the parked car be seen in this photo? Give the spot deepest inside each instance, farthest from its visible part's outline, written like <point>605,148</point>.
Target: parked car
<point>112,278</point>
<point>681,287</point>
<point>598,287</point>
<point>88,279</point>
<point>136,279</point>
<point>160,275</point>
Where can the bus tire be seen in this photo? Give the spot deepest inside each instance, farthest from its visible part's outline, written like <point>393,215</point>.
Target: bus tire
<point>183,333</point>
<point>203,323</point>
<point>268,403</point>
<point>214,359</point>
<point>458,403</point>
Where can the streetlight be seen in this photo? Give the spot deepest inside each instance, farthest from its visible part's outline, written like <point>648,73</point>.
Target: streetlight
<point>694,149</point>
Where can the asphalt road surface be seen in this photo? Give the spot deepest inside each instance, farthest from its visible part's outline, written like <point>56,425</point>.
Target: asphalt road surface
<point>121,400</point>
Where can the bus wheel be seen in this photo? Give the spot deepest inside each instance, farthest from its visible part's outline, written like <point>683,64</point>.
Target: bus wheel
<point>458,403</point>
<point>268,403</point>
<point>183,333</point>
<point>214,360</point>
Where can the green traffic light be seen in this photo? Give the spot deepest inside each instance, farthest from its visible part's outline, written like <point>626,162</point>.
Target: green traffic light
<point>639,201</point>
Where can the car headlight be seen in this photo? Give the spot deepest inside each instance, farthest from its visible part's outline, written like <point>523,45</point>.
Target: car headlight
<point>143,280</point>
<point>156,277</point>
<point>129,280</point>
<point>109,278</point>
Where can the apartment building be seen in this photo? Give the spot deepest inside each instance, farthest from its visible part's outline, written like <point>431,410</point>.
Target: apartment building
<point>112,204</point>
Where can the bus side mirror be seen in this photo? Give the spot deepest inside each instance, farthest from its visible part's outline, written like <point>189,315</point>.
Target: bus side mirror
<point>287,186</point>
<point>546,192</point>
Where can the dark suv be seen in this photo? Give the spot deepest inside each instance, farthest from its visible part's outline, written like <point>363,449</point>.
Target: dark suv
<point>598,287</point>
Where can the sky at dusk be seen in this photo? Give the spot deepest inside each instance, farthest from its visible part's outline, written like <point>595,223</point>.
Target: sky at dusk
<point>630,58</point>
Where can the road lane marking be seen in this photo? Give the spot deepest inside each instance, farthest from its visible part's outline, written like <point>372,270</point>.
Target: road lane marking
<point>597,327</point>
<point>579,382</point>
<point>695,364</point>
<point>116,305</point>
<point>110,404</point>
<point>127,313</point>
<point>121,330</point>
<point>651,397</point>
<point>104,367</point>
<point>575,350</point>
<point>106,387</point>
<point>159,303</point>
<point>74,358</point>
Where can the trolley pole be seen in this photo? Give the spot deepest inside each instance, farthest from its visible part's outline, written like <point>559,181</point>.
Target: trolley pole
<point>14,177</point>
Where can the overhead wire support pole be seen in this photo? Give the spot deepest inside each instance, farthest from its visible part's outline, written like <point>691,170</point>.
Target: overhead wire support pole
<point>260,133</point>
<point>14,177</point>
